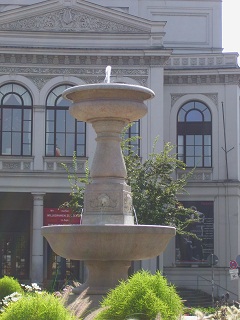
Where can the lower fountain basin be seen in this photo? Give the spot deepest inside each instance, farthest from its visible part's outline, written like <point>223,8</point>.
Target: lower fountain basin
<point>108,242</point>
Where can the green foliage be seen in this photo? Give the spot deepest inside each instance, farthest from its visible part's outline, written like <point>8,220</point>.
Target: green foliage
<point>9,285</point>
<point>37,307</point>
<point>143,296</point>
<point>77,187</point>
<point>155,189</point>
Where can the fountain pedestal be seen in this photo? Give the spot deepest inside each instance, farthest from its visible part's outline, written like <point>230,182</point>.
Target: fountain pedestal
<point>107,240</point>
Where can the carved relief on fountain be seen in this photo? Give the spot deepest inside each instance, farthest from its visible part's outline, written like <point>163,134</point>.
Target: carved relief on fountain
<point>108,204</point>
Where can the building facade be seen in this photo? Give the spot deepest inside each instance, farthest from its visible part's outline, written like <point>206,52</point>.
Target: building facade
<point>173,47</point>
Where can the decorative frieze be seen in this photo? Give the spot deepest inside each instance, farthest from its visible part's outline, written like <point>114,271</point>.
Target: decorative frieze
<point>194,79</point>
<point>82,60</point>
<point>203,61</point>
<point>16,165</point>
<point>55,164</point>
<point>198,175</point>
<point>10,165</point>
<point>69,20</point>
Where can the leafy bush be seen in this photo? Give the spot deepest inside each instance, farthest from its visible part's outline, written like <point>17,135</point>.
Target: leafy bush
<point>37,307</point>
<point>9,285</point>
<point>143,296</point>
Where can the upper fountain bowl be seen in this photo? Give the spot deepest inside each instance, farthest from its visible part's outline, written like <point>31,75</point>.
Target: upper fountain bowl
<point>108,100</point>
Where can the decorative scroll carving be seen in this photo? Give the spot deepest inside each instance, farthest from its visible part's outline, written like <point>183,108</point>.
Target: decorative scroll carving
<point>68,20</point>
<point>40,81</point>
<point>212,96</point>
<point>175,97</point>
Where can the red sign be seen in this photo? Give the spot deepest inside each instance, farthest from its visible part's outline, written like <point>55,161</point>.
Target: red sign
<point>53,216</point>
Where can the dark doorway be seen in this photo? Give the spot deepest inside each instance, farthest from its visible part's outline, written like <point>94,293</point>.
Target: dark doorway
<point>15,243</point>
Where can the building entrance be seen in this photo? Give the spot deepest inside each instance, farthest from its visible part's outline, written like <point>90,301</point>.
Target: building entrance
<point>15,243</point>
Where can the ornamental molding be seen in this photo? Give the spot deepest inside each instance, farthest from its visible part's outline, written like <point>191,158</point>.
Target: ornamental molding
<point>45,71</point>
<point>69,20</point>
<point>40,81</point>
<point>212,96</point>
<point>202,61</point>
<point>18,165</point>
<point>198,176</point>
<point>74,60</point>
<point>41,75</point>
<point>210,79</point>
<point>55,164</point>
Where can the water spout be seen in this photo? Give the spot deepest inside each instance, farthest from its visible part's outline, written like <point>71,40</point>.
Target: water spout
<point>108,74</point>
<point>135,215</point>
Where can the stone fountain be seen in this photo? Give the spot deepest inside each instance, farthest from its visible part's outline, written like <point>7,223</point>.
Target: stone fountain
<point>107,240</point>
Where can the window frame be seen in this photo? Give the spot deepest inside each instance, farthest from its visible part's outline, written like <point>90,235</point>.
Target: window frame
<point>21,93</point>
<point>194,154</point>
<point>53,121</point>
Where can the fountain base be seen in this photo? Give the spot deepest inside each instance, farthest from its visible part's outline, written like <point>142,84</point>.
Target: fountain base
<point>103,276</point>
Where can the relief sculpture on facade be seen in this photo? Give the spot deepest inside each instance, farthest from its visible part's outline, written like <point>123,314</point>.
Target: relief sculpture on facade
<point>68,20</point>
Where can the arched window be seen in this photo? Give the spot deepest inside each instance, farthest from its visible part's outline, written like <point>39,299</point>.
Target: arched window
<point>64,134</point>
<point>16,120</point>
<point>194,134</point>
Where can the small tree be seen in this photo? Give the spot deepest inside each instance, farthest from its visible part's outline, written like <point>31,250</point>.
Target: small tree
<point>154,188</point>
<point>77,185</point>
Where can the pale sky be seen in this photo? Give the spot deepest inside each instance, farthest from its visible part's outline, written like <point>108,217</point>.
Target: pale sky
<point>231,26</point>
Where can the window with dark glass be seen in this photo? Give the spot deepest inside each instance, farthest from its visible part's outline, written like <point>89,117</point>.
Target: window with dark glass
<point>132,134</point>
<point>64,134</point>
<point>15,120</point>
<point>194,134</point>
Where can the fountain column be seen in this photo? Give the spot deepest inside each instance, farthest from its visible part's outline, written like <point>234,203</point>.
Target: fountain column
<point>108,198</point>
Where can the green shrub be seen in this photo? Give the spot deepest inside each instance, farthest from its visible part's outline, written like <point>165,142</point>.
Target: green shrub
<point>9,285</point>
<point>143,296</point>
<point>37,307</point>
